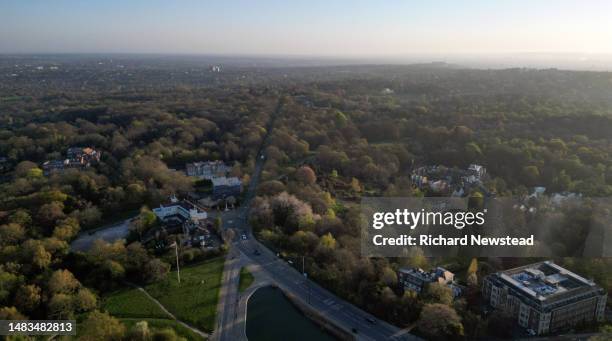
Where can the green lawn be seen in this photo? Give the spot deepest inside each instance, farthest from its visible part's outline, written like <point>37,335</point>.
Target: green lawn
<point>246,279</point>
<point>157,324</point>
<point>132,303</point>
<point>194,301</point>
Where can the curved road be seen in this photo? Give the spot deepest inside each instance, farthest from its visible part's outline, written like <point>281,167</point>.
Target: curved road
<point>230,324</point>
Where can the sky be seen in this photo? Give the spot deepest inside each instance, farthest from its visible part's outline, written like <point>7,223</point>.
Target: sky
<point>344,28</point>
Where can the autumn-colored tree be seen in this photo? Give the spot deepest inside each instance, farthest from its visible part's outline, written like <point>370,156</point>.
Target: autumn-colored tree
<point>101,326</point>
<point>63,281</point>
<point>28,297</point>
<point>439,322</point>
<point>305,175</point>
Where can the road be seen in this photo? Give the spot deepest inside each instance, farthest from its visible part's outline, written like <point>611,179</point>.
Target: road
<point>85,239</point>
<point>231,324</point>
<point>227,312</point>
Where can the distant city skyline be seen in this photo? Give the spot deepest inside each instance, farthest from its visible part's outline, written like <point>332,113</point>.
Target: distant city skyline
<point>351,29</point>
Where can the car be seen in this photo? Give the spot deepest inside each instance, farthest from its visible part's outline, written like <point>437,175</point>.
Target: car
<point>257,253</point>
<point>290,262</point>
<point>371,320</point>
<point>244,237</point>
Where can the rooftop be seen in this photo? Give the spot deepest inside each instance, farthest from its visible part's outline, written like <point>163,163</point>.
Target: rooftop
<point>545,280</point>
<point>428,276</point>
<point>223,181</point>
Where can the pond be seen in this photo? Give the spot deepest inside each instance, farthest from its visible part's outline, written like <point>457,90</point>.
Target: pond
<point>271,316</point>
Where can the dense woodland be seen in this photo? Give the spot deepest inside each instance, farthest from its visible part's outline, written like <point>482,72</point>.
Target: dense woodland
<point>342,133</point>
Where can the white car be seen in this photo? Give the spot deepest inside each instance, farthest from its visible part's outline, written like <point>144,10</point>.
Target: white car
<point>244,237</point>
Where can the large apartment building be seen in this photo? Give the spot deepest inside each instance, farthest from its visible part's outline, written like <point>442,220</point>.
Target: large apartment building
<point>545,297</point>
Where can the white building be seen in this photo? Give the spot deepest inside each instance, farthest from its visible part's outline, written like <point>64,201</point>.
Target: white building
<point>183,209</point>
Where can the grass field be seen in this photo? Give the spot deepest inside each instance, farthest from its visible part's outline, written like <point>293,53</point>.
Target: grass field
<point>194,301</point>
<point>132,303</point>
<point>246,279</point>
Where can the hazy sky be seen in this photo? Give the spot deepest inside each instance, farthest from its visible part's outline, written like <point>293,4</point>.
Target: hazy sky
<point>288,27</point>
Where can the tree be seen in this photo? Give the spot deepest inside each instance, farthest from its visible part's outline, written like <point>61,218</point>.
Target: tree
<point>306,175</point>
<point>156,270</point>
<point>9,282</point>
<point>140,331</point>
<point>89,216</point>
<point>61,306</point>
<point>290,213</point>
<point>218,225</point>
<point>439,293</point>
<point>63,281</point>
<point>439,322</point>
<point>414,257</point>
<point>473,268</point>
<point>137,257</point>
<point>165,334</point>
<point>66,229</point>
<point>145,220</point>
<point>472,277</point>
<point>37,253</point>
<point>11,234</point>
<point>355,185</point>
<point>327,241</point>
<point>270,188</point>
<point>27,169</point>
<point>101,326</point>
<point>49,213</point>
<point>472,280</point>
<point>532,175</point>
<point>28,297</point>
<point>11,313</point>
<point>389,277</point>
<point>85,300</point>
<point>21,217</point>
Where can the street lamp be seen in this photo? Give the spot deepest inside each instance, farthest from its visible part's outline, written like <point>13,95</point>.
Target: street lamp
<point>178,269</point>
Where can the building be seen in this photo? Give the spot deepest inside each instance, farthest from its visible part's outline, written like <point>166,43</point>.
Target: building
<point>544,297</point>
<point>83,155</point>
<point>416,279</point>
<point>182,210</point>
<point>77,158</point>
<point>451,181</point>
<point>53,166</point>
<point>477,171</point>
<point>208,169</point>
<point>224,187</point>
